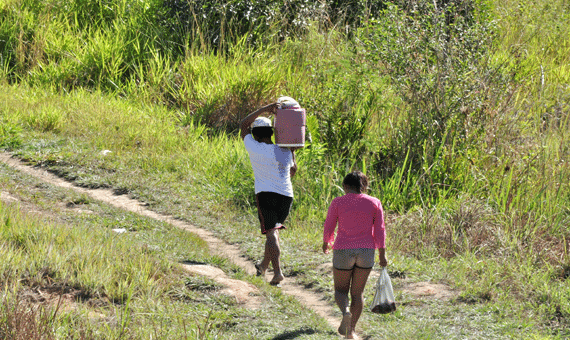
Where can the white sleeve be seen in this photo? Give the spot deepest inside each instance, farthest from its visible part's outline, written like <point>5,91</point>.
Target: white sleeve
<point>249,142</point>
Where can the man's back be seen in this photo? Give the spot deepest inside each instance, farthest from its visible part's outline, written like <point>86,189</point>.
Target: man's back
<point>271,165</point>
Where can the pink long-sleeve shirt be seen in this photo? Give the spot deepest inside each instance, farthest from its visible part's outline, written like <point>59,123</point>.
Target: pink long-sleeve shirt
<point>360,220</point>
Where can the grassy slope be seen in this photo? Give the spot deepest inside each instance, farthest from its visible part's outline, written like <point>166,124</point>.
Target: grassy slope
<point>124,285</point>
<point>185,178</point>
<point>490,253</point>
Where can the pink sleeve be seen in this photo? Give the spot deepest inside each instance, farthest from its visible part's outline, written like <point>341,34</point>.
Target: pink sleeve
<point>379,228</point>
<point>330,223</point>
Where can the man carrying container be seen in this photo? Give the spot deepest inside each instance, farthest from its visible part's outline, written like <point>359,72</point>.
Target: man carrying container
<point>273,167</point>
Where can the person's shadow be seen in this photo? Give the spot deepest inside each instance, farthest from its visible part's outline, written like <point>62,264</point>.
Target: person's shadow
<point>297,333</point>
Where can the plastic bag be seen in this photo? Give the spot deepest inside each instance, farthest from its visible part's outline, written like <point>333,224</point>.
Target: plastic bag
<point>384,301</point>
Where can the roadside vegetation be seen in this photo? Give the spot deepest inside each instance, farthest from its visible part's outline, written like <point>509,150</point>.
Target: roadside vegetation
<point>458,111</point>
<point>67,275</point>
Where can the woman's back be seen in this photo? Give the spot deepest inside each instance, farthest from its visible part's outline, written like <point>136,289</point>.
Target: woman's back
<point>360,220</point>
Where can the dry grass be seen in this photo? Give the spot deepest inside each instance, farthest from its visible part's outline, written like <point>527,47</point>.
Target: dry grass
<point>26,320</point>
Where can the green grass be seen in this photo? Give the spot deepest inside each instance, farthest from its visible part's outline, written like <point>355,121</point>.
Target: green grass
<point>447,242</point>
<point>470,164</point>
<point>125,285</point>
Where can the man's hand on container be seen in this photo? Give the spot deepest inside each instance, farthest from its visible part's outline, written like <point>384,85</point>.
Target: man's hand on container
<point>271,108</point>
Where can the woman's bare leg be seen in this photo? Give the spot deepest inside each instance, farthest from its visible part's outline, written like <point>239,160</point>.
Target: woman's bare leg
<point>359,279</point>
<point>342,280</point>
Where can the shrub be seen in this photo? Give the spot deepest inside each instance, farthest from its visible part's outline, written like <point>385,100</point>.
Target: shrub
<point>435,56</point>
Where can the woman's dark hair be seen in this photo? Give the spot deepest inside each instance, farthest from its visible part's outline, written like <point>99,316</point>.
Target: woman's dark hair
<point>262,132</point>
<point>357,181</point>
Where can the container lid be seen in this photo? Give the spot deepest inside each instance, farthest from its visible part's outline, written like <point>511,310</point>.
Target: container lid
<point>288,103</point>
<point>296,145</point>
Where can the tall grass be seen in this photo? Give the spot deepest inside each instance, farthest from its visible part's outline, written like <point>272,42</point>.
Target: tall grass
<point>56,262</point>
<point>32,250</point>
<point>427,121</point>
<point>87,282</point>
<point>458,114</point>
<point>21,320</point>
<point>537,116</point>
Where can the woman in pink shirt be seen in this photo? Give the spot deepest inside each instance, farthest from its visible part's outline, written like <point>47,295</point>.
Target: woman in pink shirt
<point>360,220</point>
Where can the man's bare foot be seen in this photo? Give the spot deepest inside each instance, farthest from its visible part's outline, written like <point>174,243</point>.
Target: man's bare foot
<point>276,279</point>
<point>260,271</point>
<point>352,335</point>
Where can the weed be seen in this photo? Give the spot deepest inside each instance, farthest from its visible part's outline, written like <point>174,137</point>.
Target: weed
<point>457,112</point>
<point>21,320</point>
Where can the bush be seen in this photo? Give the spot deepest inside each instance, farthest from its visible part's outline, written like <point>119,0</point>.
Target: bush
<point>436,58</point>
<point>10,132</point>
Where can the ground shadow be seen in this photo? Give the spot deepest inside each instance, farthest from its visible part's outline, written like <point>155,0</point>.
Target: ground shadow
<point>193,263</point>
<point>296,333</point>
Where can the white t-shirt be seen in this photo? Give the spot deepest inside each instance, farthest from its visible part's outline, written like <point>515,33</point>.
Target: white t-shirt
<point>271,165</point>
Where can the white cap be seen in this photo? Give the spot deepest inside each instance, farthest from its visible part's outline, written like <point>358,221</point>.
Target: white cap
<point>261,122</point>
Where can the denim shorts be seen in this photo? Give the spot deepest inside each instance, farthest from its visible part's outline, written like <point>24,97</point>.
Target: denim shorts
<point>347,259</point>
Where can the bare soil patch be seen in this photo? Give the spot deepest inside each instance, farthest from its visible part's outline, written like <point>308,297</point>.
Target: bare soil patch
<point>245,293</point>
<point>6,197</point>
<point>428,290</point>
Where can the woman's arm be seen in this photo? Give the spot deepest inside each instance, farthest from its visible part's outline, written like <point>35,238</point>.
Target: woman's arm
<point>326,247</point>
<point>247,121</point>
<point>380,235</point>
<point>382,257</point>
<point>330,226</point>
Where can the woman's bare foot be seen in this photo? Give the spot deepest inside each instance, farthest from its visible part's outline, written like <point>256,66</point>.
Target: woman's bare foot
<point>345,326</point>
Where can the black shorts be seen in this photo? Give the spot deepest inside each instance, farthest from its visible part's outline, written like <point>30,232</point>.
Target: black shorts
<point>272,209</point>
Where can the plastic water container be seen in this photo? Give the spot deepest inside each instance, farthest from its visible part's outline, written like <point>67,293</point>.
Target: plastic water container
<point>289,123</point>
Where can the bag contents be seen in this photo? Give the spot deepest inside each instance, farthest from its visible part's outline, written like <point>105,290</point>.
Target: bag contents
<point>384,308</point>
<point>384,301</point>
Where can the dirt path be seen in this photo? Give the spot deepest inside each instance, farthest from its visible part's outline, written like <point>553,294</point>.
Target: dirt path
<point>240,289</point>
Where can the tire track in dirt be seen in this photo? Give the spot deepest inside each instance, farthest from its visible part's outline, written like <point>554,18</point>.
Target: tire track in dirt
<point>217,246</point>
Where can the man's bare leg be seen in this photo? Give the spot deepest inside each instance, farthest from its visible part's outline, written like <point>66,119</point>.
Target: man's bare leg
<point>273,254</point>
